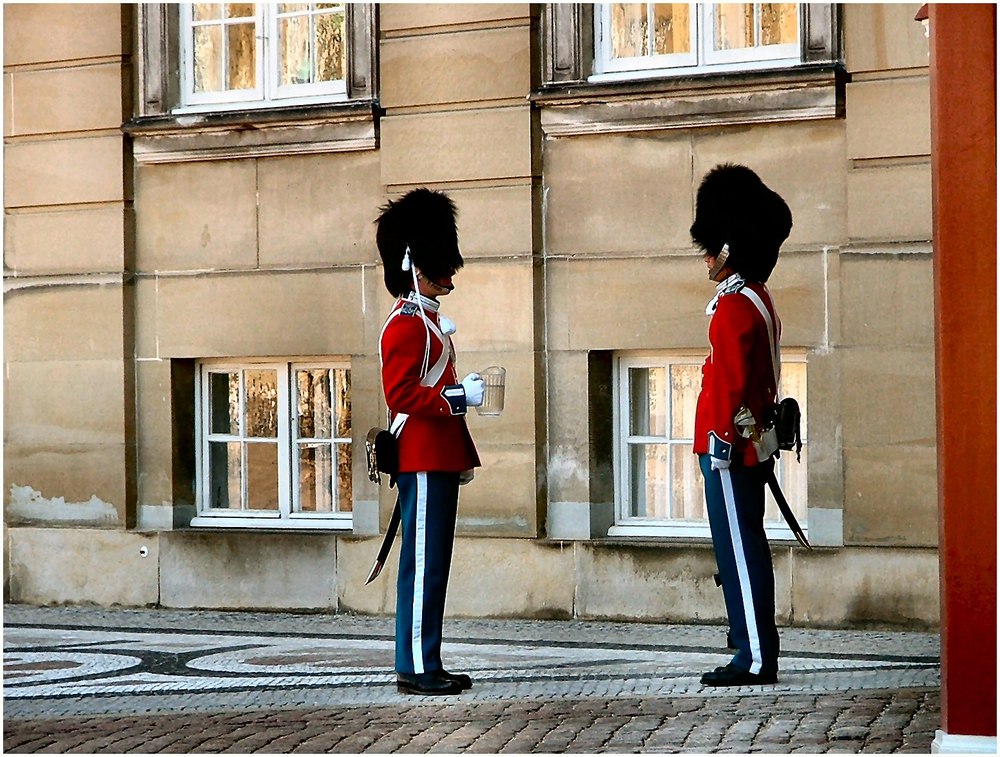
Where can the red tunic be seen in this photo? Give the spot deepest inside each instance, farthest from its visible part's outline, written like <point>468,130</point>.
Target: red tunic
<point>433,438</point>
<point>738,371</point>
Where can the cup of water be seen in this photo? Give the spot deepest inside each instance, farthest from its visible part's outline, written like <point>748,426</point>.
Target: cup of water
<point>493,389</point>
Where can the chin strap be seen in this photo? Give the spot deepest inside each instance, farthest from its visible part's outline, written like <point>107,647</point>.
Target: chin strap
<point>720,262</point>
<point>408,266</point>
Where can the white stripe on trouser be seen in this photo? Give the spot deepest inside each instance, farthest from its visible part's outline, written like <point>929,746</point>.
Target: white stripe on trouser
<point>420,547</point>
<point>741,569</point>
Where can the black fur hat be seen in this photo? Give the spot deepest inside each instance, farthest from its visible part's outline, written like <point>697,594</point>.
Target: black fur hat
<point>424,221</point>
<point>734,206</point>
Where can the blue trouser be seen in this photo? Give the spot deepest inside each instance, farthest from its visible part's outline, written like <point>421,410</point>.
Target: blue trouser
<point>428,505</point>
<point>735,499</point>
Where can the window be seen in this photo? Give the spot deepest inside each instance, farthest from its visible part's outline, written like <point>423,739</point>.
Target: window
<point>631,67</point>
<point>681,38</point>
<point>250,54</point>
<point>659,489</point>
<point>219,81</point>
<point>274,445</point>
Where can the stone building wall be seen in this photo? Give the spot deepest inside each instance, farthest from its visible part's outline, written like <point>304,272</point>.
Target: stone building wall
<point>122,270</point>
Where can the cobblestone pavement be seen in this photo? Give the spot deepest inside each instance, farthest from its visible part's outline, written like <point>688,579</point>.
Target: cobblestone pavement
<point>91,680</point>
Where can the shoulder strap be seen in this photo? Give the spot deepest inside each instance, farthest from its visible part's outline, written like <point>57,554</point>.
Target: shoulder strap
<point>435,372</point>
<point>397,424</point>
<point>392,315</point>
<point>774,344</point>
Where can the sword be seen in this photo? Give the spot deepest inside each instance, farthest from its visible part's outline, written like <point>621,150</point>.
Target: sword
<point>786,511</point>
<point>383,550</point>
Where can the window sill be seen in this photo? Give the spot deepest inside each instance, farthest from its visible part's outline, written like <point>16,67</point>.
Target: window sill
<point>707,100</point>
<point>689,531</point>
<point>255,133</point>
<point>272,523</point>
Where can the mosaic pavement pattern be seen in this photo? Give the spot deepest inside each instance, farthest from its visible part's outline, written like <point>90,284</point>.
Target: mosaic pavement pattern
<point>88,661</point>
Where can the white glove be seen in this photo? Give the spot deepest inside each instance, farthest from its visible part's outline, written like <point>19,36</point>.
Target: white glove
<point>473,385</point>
<point>718,463</point>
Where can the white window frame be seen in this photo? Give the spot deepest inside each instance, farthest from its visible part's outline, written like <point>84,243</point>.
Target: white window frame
<point>702,59</point>
<point>629,526</point>
<point>602,20</point>
<point>268,92</point>
<point>287,515</point>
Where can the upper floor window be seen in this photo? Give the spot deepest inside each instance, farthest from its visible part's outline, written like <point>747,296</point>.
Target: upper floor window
<point>274,445</point>
<point>622,67</point>
<point>660,39</point>
<point>659,489</point>
<point>243,80</point>
<point>255,54</point>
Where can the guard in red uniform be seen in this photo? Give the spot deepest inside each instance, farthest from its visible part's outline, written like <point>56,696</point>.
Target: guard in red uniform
<point>740,225</point>
<point>418,242</point>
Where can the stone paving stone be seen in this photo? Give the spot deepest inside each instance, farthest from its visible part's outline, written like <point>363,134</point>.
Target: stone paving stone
<point>595,735</point>
<point>741,734</point>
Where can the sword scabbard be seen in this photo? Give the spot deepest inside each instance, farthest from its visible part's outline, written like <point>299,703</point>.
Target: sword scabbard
<point>786,511</point>
<point>386,545</point>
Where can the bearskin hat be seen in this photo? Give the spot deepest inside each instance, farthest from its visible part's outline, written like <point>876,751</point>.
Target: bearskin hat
<point>424,221</point>
<point>734,206</point>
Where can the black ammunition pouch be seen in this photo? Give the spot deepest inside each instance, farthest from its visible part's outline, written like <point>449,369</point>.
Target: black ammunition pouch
<point>382,452</point>
<point>787,420</point>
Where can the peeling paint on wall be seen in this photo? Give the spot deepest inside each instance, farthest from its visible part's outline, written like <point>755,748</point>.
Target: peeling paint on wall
<point>27,504</point>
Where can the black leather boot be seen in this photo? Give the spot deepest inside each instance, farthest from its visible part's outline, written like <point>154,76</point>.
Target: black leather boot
<point>427,684</point>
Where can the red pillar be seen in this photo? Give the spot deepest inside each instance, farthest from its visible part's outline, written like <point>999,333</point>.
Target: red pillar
<point>963,159</point>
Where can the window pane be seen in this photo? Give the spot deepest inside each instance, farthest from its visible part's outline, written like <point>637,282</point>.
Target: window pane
<point>343,379</point>
<point>345,492</point>
<point>650,481</point>
<point>293,7</point>
<point>239,10</point>
<point>241,61</point>
<point>792,477</point>
<point>224,475</point>
<point>208,59</point>
<point>671,28</point>
<point>647,401</point>
<point>206,11</point>
<point>262,476</point>
<point>224,403</point>
<point>688,489</point>
<point>793,384</point>
<point>685,384</point>
<point>779,23</point>
<point>314,409</point>
<point>629,27</point>
<point>733,26</point>
<point>315,478</point>
<point>262,404</point>
<point>330,49</point>
<point>295,66</point>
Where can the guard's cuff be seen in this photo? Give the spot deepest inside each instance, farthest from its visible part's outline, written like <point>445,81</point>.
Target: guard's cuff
<point>454,395</point>
<point>718,448</point>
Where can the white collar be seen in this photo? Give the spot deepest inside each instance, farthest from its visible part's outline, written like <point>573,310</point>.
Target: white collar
<point>733,283</point>
<point>427,302</point>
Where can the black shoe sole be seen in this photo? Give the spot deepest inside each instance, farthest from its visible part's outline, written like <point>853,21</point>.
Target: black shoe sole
<point>402,688</point>
<point>756,681</point>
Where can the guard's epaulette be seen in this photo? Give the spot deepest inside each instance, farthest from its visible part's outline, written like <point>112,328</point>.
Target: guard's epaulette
<point>409,308</point>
